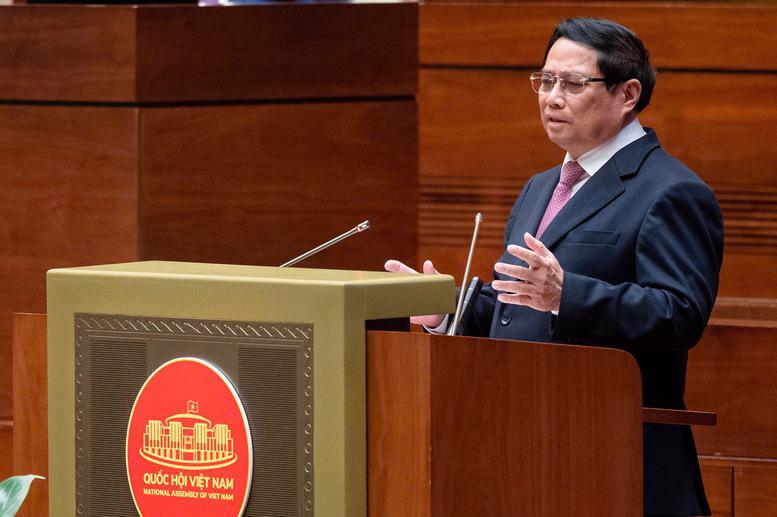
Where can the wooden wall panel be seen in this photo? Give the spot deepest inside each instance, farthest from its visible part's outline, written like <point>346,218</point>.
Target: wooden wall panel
<point>288,50</point>
<point>719,483</point>
<point>677,35</point>
<point>67,53</point>
<point>30,431</point>
<point>262,184</point>
<point>190,53</point>
<point>6,448</point>
<point>481,124</point>
<point>731,372</point>
<point>68,198</point>
<point>755,494</point>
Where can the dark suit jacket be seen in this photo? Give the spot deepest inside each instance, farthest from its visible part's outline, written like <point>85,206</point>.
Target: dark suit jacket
<point>641,245</point>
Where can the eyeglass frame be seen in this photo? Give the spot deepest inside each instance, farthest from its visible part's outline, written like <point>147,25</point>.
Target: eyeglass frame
<point>563,81</point>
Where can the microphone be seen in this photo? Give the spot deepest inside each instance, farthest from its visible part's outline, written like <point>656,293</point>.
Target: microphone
<point>353,231</point>
<point>457,317</point>
<point>473,291</point>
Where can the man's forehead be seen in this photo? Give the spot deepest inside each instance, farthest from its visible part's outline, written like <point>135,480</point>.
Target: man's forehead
<point>567,56</point>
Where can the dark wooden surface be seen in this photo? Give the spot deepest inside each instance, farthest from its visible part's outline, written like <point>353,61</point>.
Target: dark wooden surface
<point>732,372</point>
<point>679,417</point>
<point>283,50</point>
<point>188,53</point>
<point>677,34</point>
<point>67,53</point>
<point>6,448</point>
<point>398,425</point>
<point>755,494</point>
<point>515,428</point>
<point>30,431</point>
<point>68,198</point>
<point>757,312</point>
<point>263,184</point>
<point>719,485</point>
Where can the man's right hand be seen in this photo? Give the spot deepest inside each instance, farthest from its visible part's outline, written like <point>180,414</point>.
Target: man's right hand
<point>395,266</point>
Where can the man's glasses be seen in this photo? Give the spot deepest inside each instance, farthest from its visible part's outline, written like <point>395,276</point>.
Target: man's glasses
<point>543,82</point>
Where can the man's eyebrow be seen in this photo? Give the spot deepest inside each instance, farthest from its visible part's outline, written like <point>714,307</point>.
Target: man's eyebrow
<point>573,71</point>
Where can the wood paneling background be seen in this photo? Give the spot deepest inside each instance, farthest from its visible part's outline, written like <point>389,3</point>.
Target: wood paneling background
<point>30,430</point>
<point>287,178</point>
<point>325,50</point>
<point>68,197</point>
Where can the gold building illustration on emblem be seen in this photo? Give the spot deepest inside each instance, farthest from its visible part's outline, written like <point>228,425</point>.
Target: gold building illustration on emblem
<point>188,441</point>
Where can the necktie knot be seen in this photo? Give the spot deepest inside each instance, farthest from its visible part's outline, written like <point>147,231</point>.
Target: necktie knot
<point>571,172</point>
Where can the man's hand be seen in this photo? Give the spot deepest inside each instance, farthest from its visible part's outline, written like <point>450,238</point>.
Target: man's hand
<point>395,266</point>
<point>537,286</point>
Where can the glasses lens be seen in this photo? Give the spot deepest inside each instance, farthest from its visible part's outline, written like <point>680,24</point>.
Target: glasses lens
<point>542,82</point>
<point>573,83</point>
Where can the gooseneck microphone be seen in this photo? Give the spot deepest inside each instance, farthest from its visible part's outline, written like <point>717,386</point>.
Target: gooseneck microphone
<point>353,231</point>
<point>457,317</point>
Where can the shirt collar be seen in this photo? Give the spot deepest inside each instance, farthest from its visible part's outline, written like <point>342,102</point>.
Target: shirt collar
<point>594,159</point>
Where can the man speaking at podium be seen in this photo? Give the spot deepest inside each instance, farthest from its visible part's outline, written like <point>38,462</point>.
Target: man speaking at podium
<point>621,245</point>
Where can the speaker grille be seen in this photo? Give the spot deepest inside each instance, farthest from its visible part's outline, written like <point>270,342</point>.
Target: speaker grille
<point>270,364</point>
<point>117,370</point>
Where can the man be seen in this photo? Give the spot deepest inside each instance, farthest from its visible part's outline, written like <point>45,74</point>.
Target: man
<point>621,246</point>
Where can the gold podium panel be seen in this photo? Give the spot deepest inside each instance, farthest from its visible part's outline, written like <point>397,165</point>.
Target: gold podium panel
<point>291,341</point>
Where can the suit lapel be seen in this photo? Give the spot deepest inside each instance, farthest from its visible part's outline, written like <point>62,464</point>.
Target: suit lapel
<point>537,209</point>
<point>592,197</point>
<point>600,190</point>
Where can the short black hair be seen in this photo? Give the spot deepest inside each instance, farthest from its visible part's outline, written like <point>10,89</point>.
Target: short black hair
<point>621,55</point>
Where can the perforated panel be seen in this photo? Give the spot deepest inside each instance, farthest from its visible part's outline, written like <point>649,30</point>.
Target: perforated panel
<point>270,364</point>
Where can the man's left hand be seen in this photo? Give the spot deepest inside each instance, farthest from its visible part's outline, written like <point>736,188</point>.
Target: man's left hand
<point>537,286</point>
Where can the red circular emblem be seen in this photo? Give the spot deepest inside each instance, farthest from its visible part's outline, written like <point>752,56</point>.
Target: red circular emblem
<point>188,448</point>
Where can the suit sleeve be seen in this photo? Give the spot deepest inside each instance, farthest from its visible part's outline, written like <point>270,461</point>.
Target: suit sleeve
<point>678,253</point>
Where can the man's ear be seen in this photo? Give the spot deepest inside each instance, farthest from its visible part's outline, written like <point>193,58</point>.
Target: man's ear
<point>630,90</point>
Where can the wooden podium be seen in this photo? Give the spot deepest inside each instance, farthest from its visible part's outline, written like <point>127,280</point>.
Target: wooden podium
<point>470,427</point>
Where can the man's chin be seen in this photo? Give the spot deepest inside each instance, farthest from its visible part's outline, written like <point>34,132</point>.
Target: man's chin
<point>560,138</point>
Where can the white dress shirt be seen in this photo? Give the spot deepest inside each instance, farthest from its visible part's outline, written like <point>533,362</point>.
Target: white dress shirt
<point>593,160</point>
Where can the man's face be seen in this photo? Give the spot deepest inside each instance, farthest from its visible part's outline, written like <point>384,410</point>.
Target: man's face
<point>579,122</point>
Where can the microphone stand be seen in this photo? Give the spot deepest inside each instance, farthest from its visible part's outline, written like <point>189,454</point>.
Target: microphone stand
<point>356,229</point>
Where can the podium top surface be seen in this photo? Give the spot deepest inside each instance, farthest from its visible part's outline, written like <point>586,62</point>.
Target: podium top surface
<point>275,291</point>
<point>260,274</point>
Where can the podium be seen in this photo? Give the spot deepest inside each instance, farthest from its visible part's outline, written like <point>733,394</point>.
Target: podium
<point>342,422</point>
<point>292,342</point>
<point>463,427</point>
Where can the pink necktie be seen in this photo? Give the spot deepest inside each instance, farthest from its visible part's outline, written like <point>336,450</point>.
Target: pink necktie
<point>570,174</point>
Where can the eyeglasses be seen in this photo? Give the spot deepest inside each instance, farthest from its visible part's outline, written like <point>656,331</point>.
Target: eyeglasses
<point>543,82</point>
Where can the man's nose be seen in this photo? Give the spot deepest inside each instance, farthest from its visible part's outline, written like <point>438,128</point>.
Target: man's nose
<point>556,95</point>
